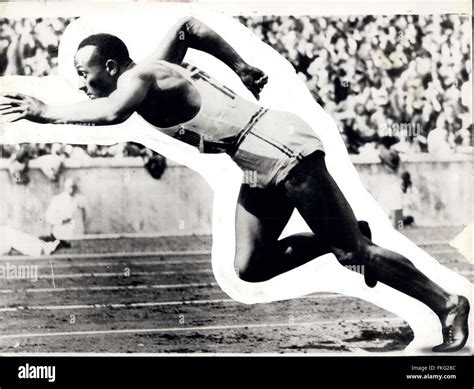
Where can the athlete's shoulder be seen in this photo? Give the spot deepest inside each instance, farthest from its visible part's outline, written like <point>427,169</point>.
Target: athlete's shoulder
<point>159,69</point>
<point>143,70</point>
<point>139,74</point>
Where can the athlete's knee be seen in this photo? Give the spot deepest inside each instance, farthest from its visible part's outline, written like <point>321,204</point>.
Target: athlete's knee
<point>242,264</point>
<point>357,254</point>
<point>249,266</point>
<point>242,270</point>
<point>248,272</point>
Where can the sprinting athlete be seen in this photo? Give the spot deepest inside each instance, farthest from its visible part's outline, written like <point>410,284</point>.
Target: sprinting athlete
<point>282,151</point>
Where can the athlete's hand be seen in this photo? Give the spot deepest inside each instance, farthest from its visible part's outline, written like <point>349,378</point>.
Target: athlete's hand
<point>16,106</point>
<point>254,79</point>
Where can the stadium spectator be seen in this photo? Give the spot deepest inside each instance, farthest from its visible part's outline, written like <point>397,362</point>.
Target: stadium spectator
<point>18,163</point>
<point>62,213</point>
<point>52,164</point>
<point>438,140</point>
<point>410,197</point>
<point>390,194</point>
<point>76,153</point>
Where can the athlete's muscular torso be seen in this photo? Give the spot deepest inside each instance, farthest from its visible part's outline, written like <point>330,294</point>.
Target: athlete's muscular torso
<point>185,98</point>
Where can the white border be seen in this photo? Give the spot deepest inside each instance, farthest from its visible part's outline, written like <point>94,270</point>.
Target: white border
<point>316,8</point>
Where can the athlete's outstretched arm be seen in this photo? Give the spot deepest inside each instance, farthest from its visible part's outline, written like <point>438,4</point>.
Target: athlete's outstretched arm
<point>192,33</point>
<point>116,108</point>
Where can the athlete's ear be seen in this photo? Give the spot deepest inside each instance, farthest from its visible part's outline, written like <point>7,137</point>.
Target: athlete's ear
<point>111,66</point>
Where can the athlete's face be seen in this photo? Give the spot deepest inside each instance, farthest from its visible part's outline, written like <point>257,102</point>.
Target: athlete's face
<point>97,78</point>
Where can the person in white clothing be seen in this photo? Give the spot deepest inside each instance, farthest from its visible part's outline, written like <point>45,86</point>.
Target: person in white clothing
<point>63,211</point>
<point>11,238</point>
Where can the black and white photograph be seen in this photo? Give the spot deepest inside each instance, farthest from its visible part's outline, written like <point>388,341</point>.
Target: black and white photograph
<point>230,179</point>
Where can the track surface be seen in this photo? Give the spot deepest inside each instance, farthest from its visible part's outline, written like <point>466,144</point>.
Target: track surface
<point>162,298</point>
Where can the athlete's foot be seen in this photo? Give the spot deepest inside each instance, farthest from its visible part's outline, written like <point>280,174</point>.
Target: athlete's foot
<point>455,327</point>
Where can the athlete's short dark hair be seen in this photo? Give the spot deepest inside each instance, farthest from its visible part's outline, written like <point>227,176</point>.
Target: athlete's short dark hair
<point>107,47</point>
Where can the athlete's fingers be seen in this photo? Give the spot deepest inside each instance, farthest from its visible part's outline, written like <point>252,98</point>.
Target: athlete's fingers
<point>5,106</point>
<point>9,101</point>
<point>254,84</point>
<point>258,88</point>
<point>262,82</point>
<point>12,110</point>
<point>260,72</point>
<point>258,85</point>
<point>263,79</point>
<point>15,117</point>
<point>256,93</point>
<point>15,96</point>
<point>250,85</point>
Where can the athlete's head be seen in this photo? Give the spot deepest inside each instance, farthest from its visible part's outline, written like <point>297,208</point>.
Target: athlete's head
<point>99,61</point>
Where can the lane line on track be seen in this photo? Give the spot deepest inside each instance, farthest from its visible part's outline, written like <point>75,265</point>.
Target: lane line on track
<point>134,263</point>
<point>112,274</point>
<point>196,328</point>
<point>110,287</point>
<point>143,254</point>
<point>152,303</point>
<point>145,262</point>
<point>465,273</point>
<point>133,254</point>
<point>118,305</point>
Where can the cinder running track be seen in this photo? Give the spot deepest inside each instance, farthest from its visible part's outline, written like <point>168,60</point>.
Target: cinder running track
<point>158,295</point>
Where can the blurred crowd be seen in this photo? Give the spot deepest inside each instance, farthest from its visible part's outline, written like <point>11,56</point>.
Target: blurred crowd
<point>76,152</point>
<point>50,157</point>
<point>378,76</point>
<point>404,80</point>
<point>30,46</point>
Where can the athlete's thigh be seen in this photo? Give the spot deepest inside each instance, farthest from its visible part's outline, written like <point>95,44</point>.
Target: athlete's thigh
<point>260,218</point>
<point>317,197</point>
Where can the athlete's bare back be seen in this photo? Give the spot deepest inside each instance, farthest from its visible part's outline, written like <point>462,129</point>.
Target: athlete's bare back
<point>171,99</point>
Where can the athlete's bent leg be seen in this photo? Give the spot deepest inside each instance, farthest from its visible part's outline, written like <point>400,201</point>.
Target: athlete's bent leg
<point>260,218</point>
<point>317,197</point>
